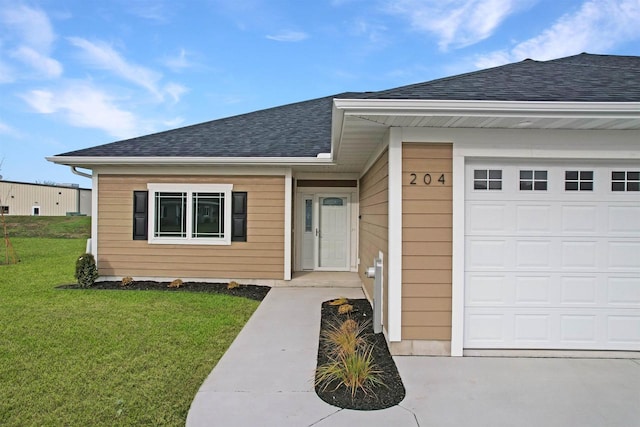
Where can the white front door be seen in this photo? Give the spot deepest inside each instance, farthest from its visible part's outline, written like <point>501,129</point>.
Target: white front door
<point>333,233</point>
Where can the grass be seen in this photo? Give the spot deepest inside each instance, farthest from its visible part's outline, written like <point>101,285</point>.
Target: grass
<point>64,227</point>
<point>87,357</point>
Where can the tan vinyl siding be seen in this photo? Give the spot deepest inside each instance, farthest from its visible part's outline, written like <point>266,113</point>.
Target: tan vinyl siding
<point>260,257</point>
<point>427,242</point>
<point>374,222</point>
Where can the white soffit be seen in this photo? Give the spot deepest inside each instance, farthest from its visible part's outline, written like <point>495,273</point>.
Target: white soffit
<point>494,114</point>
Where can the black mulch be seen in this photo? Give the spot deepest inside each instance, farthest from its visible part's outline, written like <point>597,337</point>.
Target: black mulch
<point>380,396</point>
<point>254,292</point>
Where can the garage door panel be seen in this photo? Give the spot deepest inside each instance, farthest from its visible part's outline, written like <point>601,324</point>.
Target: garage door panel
<point>533,290</point>
<point>534,219</point>
<point>487,218</point>
<point>580,219</point>
<point>579,255</point>
<point>623,291</point>
<point>487,290</point>
<point>555,329</point>
<point>624,330</point>
<point>487,254</point>
<point>579,290</point>
<point>578,328</point>
<point>554,269</point>
<point>619,222</point>
<point>533,254</point>
<point>624,255</point>
<point>532,328</point>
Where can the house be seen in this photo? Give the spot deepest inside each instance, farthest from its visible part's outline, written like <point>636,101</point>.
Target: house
<point>504,204</point>
<point>23,198</point>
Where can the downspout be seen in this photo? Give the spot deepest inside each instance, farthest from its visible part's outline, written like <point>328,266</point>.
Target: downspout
<point>77,172</point>
<point>90,246</point>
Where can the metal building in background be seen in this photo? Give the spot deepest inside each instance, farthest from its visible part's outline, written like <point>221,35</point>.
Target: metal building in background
<point>21,198</point>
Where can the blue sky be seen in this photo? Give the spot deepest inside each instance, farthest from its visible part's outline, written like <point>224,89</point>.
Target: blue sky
<point>79,73</point>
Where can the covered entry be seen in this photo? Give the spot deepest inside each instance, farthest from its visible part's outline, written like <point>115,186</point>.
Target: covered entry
<point>325,228</point>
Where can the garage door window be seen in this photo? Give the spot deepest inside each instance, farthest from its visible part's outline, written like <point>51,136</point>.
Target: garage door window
<point>487,179</point>
<point>625,181</point>
<point>578,180</point>
<point>533,180</point>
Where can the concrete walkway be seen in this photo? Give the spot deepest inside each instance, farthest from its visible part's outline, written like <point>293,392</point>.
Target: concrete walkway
<point>266,379</point>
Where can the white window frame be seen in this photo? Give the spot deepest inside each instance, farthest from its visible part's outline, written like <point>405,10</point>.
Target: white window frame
<point>190,189</point>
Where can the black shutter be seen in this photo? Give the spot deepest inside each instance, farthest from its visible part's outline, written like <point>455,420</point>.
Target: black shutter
<point>140,215</point>
<point>239,216</point>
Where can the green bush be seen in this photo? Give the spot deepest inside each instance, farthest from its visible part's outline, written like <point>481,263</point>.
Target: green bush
<point>86,270</point>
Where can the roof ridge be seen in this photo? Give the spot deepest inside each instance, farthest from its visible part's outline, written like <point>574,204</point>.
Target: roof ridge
<point>448,78</point>
<point>566,61</point>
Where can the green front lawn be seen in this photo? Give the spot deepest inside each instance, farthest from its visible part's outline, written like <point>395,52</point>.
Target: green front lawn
<point>88,357</point>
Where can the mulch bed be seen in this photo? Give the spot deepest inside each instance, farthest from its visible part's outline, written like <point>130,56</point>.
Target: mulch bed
<point>254,292</point>
<point>380,396</point>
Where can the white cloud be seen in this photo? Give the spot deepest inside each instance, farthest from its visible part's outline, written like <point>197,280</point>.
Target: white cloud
<point>5,129</point>
<point>375,33</point>
<point>152,10</point>
<point>175,90</point>
<point>103,56</point>
<point>597,26</point>
<point>179,62</point>
<point>34,36</point>
<point>456,23</point>
<point>6,73</point>
<point>44,65</point>
<point>289,36</point>
<point>32,25</point>
<point>85,106</point>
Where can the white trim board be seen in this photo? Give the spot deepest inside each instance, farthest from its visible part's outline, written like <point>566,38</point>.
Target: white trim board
<point>394,264</point>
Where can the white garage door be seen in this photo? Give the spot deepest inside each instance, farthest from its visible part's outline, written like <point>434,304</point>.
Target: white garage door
<point>552,256</point>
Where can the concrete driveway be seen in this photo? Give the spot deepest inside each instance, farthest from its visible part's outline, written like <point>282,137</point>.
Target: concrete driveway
<point>266,379</point>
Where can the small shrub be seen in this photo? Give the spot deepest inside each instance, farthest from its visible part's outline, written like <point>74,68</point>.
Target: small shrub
<point>86,270</point>
<point>176,284</point>
<point>345,309</point>
<point>356,371</point>
<point>232,285</point>
<point>339,301</point>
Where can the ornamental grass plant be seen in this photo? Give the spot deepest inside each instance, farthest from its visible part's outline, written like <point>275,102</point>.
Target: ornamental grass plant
<point>350,363</point>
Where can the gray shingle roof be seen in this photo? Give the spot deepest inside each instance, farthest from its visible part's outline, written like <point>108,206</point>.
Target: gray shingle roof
<point>580,78</point>
<point>304,129</point>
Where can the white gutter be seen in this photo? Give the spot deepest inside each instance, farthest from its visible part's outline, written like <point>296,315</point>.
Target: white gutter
<point>402,107</point>
<point>189,161</point>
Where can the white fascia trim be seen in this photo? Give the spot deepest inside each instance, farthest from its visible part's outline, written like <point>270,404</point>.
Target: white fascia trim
<point>457,274</point>
<point>401,107</point>
<point>394,263</point>
<point>189,161</point>
<point>337,130</point>
<point>288,223</point>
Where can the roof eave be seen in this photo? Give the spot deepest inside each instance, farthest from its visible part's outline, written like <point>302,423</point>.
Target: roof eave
<point>502,108</point>
<point>86,161</point>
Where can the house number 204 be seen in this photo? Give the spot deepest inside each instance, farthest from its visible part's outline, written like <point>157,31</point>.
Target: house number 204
<point>426,179</point>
